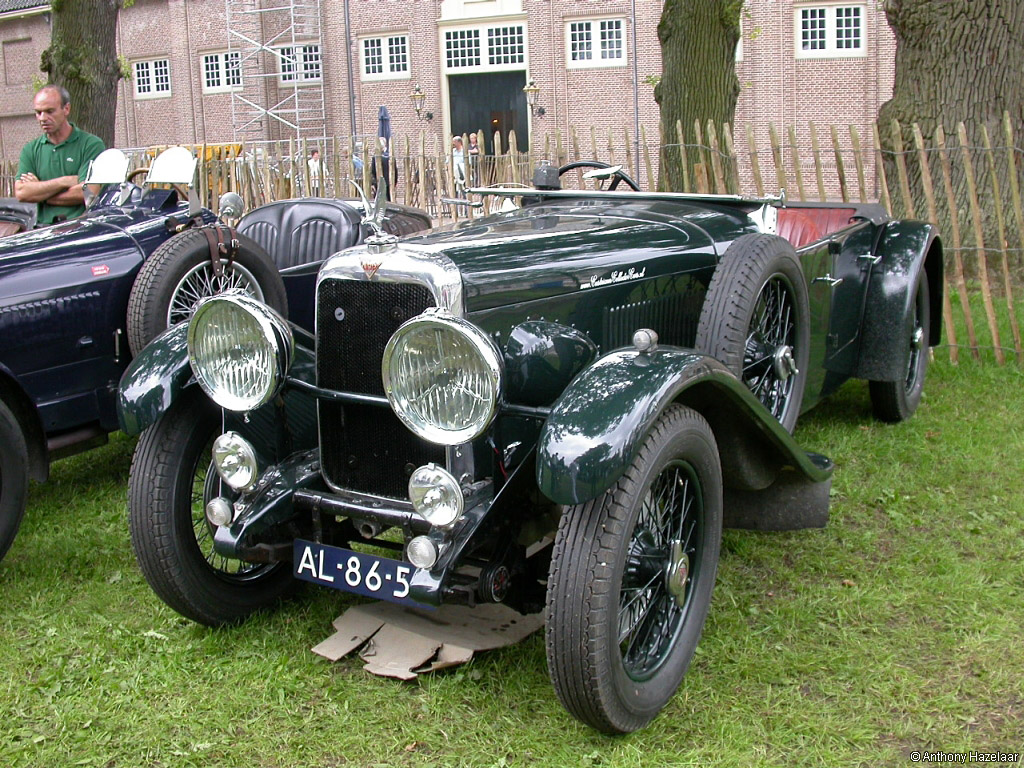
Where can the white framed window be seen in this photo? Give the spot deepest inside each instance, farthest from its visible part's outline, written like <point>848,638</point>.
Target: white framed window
<point>385,57</point>
<point>462,48</point>
<point>506,45</point>
<point>221,72</point>
<point>829,31</point>
<point>300,64</point>
<point>485,48</point>
<point>152,78</point>
<point>595,43</point>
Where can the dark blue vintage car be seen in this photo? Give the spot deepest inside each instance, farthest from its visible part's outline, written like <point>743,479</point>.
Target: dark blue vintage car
<point>77,299</point>
<point>559,405</point>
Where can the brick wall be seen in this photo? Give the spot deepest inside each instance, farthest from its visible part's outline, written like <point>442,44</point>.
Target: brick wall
<point>775,86</point>
<point>22,40</point>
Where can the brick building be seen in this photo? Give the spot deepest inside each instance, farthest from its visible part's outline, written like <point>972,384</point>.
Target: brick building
<point>213,71</point>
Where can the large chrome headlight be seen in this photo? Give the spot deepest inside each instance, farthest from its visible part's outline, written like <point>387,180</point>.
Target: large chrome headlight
<point>442,376</point>
<point>240,350</point>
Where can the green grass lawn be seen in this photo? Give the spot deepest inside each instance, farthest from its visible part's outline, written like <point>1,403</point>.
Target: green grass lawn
<point>896,628</point>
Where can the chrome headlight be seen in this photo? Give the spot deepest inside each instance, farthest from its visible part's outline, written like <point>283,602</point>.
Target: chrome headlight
<point>240,350</point>
<point>443,377</point>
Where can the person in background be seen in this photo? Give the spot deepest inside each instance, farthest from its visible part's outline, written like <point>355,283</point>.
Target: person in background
<point>357,163</point>
<point>316,171</point>
<point>473,150</point>
<point>51,168</point>
<point>459,171</point>
<point>458,165</point>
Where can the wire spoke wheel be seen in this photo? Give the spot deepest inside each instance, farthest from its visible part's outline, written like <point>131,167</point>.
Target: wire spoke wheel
<point>200,282</point>
<point>756,321</point>
<point>171,480</point>
<point>768,364</point>
<point>656,584</point>
<point>180,273</point>
<point>631,578</point>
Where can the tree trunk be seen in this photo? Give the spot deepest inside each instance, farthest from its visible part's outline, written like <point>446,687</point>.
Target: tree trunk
<point>955,60</point>
<point>698,49</point>
<point>82,57</point>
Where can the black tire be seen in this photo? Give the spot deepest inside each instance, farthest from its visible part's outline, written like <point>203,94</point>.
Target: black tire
<point>896,401</point>
<point>179,273</point>
<point>13,477</point>
<point>611,554</point>
<point>170,482</point>
<point>756,320</point>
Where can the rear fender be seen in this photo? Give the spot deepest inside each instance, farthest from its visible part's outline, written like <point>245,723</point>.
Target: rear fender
<point>905,248</point>
<point>598,425</point>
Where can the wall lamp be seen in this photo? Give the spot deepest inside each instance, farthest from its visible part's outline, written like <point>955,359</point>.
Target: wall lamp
<point>418,97</point>
<point>531,90</point>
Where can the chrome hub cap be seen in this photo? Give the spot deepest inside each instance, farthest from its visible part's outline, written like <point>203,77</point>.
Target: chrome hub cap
<point>783,362</point>
<point>677,572</point>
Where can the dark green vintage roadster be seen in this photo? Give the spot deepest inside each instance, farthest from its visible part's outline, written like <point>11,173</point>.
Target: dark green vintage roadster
<point>555,407</point>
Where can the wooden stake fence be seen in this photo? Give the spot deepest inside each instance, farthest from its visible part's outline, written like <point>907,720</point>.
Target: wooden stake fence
<point>981,182</point>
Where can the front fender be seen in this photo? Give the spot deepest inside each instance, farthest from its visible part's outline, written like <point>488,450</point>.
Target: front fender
<point>597,426</point>
<point>154,380</point>
<point>905,248</point>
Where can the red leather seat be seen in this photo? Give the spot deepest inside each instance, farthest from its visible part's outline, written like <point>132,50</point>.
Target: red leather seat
<point>802,226</point>
<point>794,225</point>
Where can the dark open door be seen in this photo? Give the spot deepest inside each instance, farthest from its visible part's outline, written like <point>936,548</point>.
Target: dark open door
<point>493,102</point>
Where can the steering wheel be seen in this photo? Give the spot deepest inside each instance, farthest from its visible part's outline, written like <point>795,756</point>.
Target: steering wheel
<point>137,172</point>
<point>601,171</point>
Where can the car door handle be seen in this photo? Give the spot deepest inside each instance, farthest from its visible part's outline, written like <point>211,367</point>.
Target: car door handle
<point>832,281</point>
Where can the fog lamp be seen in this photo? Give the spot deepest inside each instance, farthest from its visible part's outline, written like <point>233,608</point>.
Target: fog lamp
<point>235,460</point>
<point>421,552</point>
<point>219,511</point>
<point>436,495</point>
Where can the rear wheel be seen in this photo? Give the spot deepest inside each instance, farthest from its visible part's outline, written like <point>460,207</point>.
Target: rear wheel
<point>13,477</point>
<point>631,579</point>
<point>896,401</point>
<point>756,320</point>
<point>171,481</point>
<point>180,272</point>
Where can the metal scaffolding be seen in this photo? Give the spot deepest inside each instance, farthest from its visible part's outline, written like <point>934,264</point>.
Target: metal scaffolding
<point>275,64</point>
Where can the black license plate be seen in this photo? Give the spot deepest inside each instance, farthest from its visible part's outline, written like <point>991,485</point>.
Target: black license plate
<point>339,568</point>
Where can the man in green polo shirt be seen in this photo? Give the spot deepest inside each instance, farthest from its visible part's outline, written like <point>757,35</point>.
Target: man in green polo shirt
<point>50,167</point>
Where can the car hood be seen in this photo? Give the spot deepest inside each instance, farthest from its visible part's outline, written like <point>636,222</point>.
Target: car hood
<point>567,245</point>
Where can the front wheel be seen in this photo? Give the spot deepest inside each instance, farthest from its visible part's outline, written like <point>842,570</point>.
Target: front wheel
<point>13,477</point>
<point>631,577</point>
<point>896,401</point>
<point>171,481</point>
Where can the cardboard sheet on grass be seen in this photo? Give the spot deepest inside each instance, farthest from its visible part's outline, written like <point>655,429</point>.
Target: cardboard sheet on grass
<point>401,642</point>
